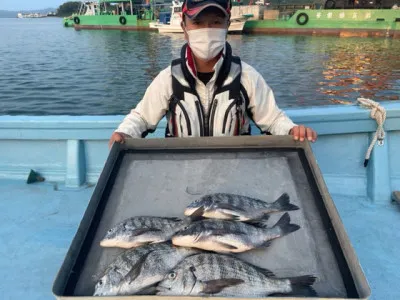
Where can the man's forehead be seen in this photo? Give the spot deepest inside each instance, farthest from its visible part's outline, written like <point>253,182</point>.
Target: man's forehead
<point>209,15</point>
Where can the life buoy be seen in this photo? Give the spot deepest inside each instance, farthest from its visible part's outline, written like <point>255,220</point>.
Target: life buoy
<point>299,16</point>
<point>330,4</point>
<point>76,20</point>
<point>122,20</point>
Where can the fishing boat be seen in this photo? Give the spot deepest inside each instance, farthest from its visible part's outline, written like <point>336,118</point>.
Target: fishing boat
<point>87,8</point>
<point>377,18</point>
<point>115,15</point>
<point>174,24</point>
<point>341,18</point>
<point>40,219</point>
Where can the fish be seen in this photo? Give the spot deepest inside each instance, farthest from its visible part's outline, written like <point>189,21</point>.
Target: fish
<point>138,231</point>
<point>213,274</point>
<point>237,207</point>
<point>225,236</point>
<point>137,270</point>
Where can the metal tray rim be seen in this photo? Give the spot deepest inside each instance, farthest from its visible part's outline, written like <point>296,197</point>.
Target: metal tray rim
<point>269,142</point>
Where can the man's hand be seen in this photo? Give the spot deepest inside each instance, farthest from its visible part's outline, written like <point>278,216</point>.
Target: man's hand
<point>301,132</point>
<point>118,138</point>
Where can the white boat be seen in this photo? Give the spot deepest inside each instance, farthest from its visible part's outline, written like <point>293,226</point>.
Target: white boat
<point>174,26</point>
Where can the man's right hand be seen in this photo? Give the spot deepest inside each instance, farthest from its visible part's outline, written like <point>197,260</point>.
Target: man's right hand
<point>118,138</point>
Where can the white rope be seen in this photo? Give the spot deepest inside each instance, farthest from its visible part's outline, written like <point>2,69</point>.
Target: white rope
<point>379,114</point>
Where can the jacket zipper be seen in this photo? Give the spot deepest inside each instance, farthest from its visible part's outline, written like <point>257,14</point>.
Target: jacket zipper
<point>226,115</point>
<point>189,127</point>
<point>200,115</point>
<point>211,125</point>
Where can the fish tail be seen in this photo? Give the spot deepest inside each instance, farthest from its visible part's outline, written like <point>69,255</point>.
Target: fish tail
<point>283,203</point>
<point>285,226</point>
<point>302,285</point>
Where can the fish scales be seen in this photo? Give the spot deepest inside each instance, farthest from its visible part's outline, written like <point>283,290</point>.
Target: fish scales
<point>237,207</point>
<point>241,201</point>
<point>225,275</point>
<point>230,236</point>
<point>137,231</point>
<point>130,257</point>
<point>137,269</point>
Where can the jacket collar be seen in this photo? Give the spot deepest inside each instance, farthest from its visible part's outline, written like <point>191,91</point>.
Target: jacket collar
<point>221,68</point>
<point>192,65</point>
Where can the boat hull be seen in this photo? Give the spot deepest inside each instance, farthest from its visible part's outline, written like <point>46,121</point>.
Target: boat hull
<point>111,22</point>
<point>337,22</point>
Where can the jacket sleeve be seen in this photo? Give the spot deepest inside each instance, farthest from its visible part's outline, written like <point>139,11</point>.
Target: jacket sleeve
<point>265,112</point>
<point>151,109</point>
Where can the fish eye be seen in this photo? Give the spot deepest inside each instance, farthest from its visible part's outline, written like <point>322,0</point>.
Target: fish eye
<point>172,275</point>
<point>109,231</point>
<point>101,282</point>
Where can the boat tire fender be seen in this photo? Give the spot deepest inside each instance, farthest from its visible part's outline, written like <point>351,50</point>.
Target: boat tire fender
<point>66,24</point>
<point>77,20</point>
<point>330,4</point>
<point>299,16</point>
<point>122,20</point>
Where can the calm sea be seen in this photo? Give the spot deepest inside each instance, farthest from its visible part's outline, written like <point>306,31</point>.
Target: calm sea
<point>48,69</point>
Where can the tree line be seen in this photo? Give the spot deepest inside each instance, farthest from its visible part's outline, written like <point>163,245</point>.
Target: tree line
<point>68,8</point>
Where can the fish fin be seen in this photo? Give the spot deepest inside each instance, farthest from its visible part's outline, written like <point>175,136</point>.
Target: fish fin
<point>217,285</point>
<point>283,203</point>
<point>285,226</point>
<point>233,217</point>
<point>266,244</point>
<point>135,271</point>
<point>260,223</point>
<point>229,207</point>
<point>264,271</point>
<point>301,285</point>
<point>143,230</point>
<point>176,219</point>
<point>230,216</point>
<point>149,290</point>
<point>203,236</point>
<point>227,246</point>
<point>198,212</point>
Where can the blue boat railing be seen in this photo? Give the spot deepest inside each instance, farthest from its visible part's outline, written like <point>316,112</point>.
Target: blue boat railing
<point>71,150</point>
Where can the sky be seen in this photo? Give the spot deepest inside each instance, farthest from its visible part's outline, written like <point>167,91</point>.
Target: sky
<point>16,5</point>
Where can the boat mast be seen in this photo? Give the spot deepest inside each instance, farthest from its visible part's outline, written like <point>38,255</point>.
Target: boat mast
<point>131,7</point>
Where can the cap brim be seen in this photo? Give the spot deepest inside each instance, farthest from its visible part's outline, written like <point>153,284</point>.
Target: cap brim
<point>192,13</point>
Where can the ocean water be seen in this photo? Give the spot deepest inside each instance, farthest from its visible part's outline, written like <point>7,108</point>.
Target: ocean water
<point>46,69</point>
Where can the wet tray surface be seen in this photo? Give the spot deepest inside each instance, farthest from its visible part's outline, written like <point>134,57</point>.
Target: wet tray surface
<point>141,178</point>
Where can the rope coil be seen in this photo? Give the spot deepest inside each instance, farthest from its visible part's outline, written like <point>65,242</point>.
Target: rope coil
<point>378,113</point>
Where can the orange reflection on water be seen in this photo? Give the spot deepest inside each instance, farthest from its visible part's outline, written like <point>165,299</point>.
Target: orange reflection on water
<point>353,74</point>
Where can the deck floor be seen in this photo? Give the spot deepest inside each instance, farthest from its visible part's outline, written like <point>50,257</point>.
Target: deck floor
<point>38,224</point>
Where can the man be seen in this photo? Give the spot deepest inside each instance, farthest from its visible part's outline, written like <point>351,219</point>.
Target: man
<point>208,91</point>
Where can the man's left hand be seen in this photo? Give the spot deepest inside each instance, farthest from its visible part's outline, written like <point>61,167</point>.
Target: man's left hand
<point>301,132</point>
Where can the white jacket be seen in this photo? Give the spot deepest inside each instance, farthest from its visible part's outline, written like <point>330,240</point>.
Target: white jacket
<point>155,103</point>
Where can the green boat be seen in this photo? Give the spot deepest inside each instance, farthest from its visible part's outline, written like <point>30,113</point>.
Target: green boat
<point>85,9</point>
<point>113,14</point>
<point>339,20</point>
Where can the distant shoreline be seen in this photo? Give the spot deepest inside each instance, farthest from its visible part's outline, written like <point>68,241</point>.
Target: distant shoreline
<point>31,18</point>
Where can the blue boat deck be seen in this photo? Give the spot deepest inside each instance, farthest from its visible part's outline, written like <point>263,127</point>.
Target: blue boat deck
<point>39,222</point>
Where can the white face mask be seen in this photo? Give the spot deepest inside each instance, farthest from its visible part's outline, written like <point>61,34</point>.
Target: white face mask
<point>207,43</point>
